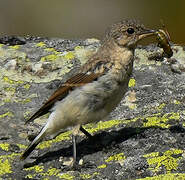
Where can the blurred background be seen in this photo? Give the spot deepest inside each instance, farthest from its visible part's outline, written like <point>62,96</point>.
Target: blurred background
<point>81,19</point>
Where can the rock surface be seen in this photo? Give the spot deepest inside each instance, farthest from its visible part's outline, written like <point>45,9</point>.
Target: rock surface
<point>144,138</point>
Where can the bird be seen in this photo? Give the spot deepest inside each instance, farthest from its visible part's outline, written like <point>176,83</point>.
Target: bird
<point>96,89</point>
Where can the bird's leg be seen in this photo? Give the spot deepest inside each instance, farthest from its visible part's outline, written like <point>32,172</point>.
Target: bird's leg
<point>85,132</point>
<point>74,149</point>
<point>75,132</point>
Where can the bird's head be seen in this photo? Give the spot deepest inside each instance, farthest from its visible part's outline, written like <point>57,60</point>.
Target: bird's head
<point>128,32</point>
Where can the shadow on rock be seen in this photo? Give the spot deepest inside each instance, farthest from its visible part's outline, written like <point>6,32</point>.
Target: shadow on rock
<point>101,141</point>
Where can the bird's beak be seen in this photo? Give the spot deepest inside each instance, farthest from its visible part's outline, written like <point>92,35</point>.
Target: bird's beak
<point>146,33</point>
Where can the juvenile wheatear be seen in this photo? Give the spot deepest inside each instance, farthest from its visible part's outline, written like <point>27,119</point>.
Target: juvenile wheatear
<point>96,89</point>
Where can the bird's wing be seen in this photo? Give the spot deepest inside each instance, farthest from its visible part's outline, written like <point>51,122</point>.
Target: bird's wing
<point>76,81</point>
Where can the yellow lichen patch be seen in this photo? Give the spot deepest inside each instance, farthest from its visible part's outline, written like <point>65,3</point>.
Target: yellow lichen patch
<point>7,114</point>
<point>69,55</point>
<point>161,121</point>
<point>21,146</point>
<point>102,166</point>
<point>61,137</point>
<point>132,82</point>
<point>30,176</point>
<point>10,81</point>
<point>49,49</point>
<point>15,47</point>
<point>167,160</point>
<point>5,167</point>
<point>116,157</point>
<point>169,176</point>
<point>50,57</point>
<point>10,89</point>
<point>5,163</point>
<point>24,101</point>
<point>51,172</point>
<point>52,50</point>
<point>176,101</point>
<point>132,106</point>
<point>78,48</point>
<point>27,86</point>
<point>4,146</point>
<point>92,128</point>
<point>7,100</point>
<point>65,176</point>
<point>40,44</point>
<point>85,176</point>
<point>161,106</point>
<point>26,114</point>
<point>36,168</point>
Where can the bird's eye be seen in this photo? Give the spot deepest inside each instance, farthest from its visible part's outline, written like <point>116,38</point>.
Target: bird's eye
<point>130,31</point>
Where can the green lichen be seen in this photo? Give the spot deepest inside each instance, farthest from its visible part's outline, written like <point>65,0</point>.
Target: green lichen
<point>15,47</point>
<point>36,168</point>
<point>52,50</point>
<point>10,89</point>
<point>24,101</point>
<point>161,106</point>
<point>7,114</point>
<point>176,102</point>
<point>69,55</point>
<point>161,121</point>
<point>5,167</point>
<point>10,81</point>
<point>66,176</point>
<point>132,82</point>
<point>50,57</point>
<point>169,176</point>
<point>5,163</point>
<point>51,172</point>
<point>40,44</point>
<point>116,157</point>
<point>167,160</point>
<point>27,86</point>
<point>4,146</point>
<point>29,176</point>
<point>102,166</point>
<point>85,176</point>
<point>61,137</point>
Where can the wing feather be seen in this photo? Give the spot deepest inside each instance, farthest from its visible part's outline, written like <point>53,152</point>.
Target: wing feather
<point>76,81</point>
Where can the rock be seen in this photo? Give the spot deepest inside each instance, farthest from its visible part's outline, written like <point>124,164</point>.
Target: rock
<point>143,137</point>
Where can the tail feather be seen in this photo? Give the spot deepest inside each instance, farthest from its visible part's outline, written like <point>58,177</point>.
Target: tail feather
<point>33,144</point>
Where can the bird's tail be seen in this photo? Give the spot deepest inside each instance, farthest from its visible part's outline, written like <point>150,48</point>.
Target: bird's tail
<point>33,144</point>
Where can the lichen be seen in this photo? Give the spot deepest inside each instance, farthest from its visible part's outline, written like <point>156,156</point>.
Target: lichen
<point>161,121</point>
<point>15,47</point>
<point>4,146</point>
<point>102,166</point>
<point>85,176</point>
<point>5,167</point>
<point>7,114</point>
<point>69,55</point>
<point>10,81</point>
<point>36,168</point>
<point>161,106</point>
<point>155,160</point>
<point>132,83</point>
<point>27,86</point>
<point>41,44</point>
<point>169,176</point>
<point>116,157</point>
